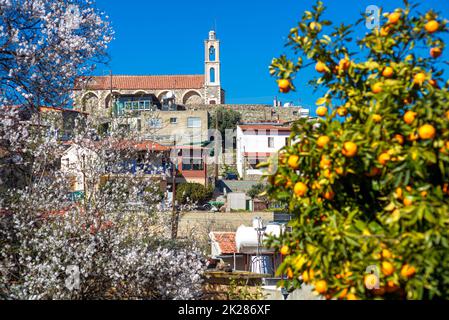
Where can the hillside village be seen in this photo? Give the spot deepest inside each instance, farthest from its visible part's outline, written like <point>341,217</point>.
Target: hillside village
<point>174,130</point>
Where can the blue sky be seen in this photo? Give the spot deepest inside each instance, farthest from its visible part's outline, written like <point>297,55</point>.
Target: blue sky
<point>166,37</point>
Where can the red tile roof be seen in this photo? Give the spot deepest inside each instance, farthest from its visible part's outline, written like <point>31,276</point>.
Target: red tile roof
<point>46,109</point>
<point>122,82</point>
<point>257,154</point>
<point>146,145</point>
<point>266,127</point>
<point>225,241</point>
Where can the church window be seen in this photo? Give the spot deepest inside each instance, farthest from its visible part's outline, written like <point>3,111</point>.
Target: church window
<point>212,53</point>
<point>212,75</point>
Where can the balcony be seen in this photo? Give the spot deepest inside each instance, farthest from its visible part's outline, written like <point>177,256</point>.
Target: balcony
<point>135,167</point>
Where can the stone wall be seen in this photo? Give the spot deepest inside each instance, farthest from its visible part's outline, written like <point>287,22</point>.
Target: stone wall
<point>257,112</point>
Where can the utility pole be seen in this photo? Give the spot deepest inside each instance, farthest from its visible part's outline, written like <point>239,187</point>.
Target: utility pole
<point>216,145</point>
<point>174,222</point>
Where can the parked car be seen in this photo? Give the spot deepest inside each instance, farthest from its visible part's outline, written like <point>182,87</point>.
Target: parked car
<point>230,176</point>
<point>213,206</point>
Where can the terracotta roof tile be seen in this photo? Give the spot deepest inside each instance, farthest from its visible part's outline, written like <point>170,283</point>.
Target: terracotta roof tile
<point>256,127</point>
<point>257,154</point>
<point>122,82</point>
<point>225,241</point>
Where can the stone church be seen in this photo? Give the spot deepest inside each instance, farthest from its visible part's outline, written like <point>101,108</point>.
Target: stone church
<point>95,95</point>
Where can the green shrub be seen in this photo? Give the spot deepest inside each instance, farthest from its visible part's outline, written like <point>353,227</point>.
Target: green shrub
<point>193,193</point>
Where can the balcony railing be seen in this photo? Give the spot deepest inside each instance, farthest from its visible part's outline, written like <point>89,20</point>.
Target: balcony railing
<point>135,167</point>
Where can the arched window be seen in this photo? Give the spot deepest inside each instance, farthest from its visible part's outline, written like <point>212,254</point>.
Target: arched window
<point>212,75</point>
<point>212,53</point>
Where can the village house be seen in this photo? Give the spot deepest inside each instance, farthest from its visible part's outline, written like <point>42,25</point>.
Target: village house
<point>256,142</point>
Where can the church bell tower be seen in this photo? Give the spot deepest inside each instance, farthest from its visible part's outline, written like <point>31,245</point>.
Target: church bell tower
<point>212,70</point>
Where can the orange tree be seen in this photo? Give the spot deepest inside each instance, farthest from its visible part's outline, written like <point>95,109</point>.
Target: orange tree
<point>367,181</point>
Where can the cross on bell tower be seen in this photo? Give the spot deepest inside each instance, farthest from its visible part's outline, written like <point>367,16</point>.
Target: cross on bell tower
<point>212,70</point>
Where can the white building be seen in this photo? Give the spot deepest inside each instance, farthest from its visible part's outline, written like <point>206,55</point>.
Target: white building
<point>256,143</point>
<point>76,160</point>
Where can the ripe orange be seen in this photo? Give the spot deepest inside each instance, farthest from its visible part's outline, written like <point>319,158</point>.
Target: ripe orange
<point>386,254</point>
<point>433,83</point>
<point>289,273</point>
<point>284,85</point>
<point>388,72</point>
<point>407,271</point>
<point>426,132</point>
<point>349,149</point>
<point>370,281</point>
<point>325,162</point>
<point>377,87</point>
<point>322,141</point>
<point>399,138</point>
<point>377,118</point>
<point>419,78</point>
<point>432,26</point>
<point>391,286</point>
<point>300,189</point>
<point>307,276</point>
<point>320,67</point>
<point>387,268</point>
<point>447,115</point>
<point>344,64</point>
<point>412,137</point>
<point>407,202</point>
<point>409,117</point>
<point>383,158</point>
<point>436,52</point>
<point>343,293</point>
<point>321,286</point>
<point>329,195</point>
<point>351,296</point>
<point>342,111</point>
<point>285,250</point>
<point>316,185</point>
<point>394,17</point>
<point>321,111</point>
<point>340,171</point>
<point>293,161</point>
<point>374,171</point>
<point>399,193</point>
<point>384,31</point>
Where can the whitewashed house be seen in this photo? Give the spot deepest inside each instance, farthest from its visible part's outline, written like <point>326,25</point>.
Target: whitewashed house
<point>256,142</point>
<point>75,161</point>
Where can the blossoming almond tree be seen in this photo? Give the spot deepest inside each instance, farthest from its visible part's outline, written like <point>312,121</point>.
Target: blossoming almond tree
<point>121,250</point>
<point>45,45</point>
<point>53,246</point>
